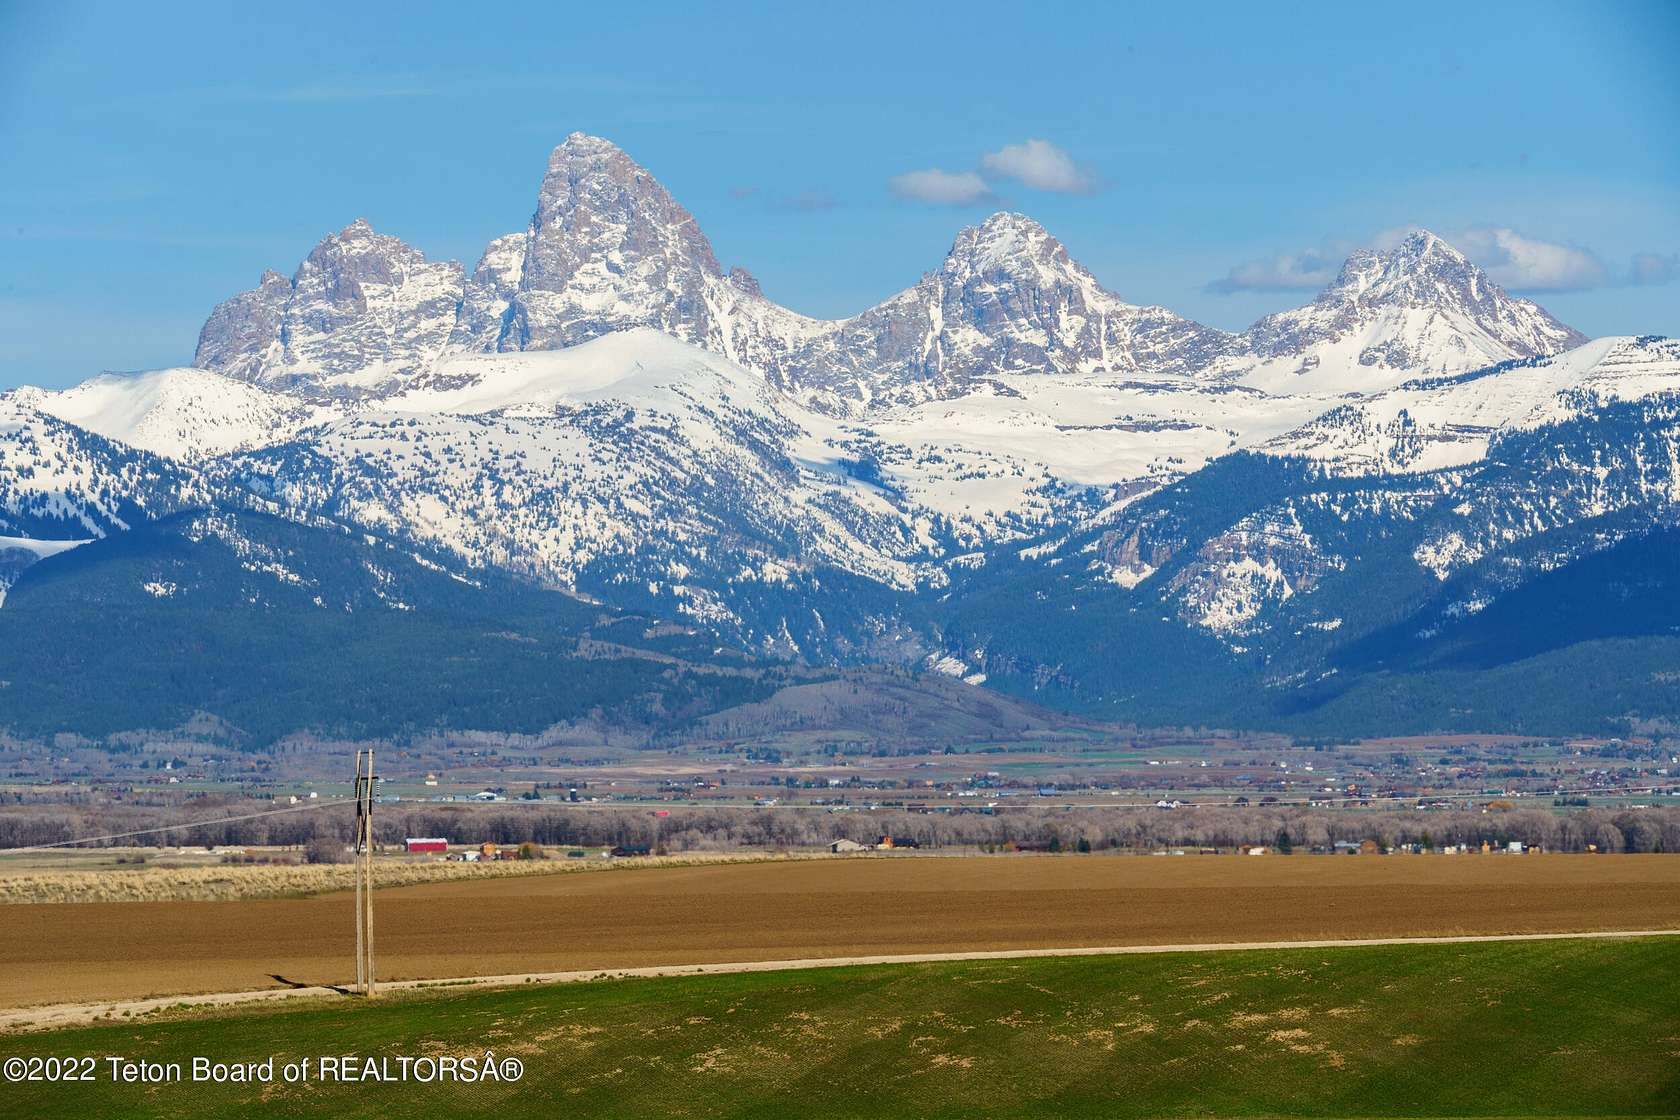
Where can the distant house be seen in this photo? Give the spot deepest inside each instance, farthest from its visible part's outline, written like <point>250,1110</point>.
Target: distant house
<point>624,850</point>
<point>426,844</point>
<point>887,842</point>
<point>848,846</point>
<point>1256,851</point>
<point>1370,848</point>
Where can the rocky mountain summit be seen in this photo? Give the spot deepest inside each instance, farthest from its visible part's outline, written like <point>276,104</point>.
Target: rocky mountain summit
<point>609,249</point>
<point>1007,299</point>
<point>362,313</point>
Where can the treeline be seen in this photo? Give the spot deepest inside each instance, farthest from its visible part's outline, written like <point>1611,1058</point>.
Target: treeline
<point>724,829</point>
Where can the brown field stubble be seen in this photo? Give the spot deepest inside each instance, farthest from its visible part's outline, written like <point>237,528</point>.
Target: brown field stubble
<point>56,953</point>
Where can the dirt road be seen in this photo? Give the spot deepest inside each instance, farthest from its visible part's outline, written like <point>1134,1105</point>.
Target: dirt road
<point>834,909</point>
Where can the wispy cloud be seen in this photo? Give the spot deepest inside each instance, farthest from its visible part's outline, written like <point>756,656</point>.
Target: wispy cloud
<point>807,200</point>
<point>944,188</point>
<point>1652,269</point>
<point>1040,165</point>
<point>1530,263</point>
<point>1305,270</point>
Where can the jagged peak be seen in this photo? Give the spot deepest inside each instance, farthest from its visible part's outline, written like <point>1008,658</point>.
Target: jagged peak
<point>1002,242</point>
<point>591,187</point>
<point>1412,270</point>
<point>355,237</point>
<point>582,143</point>
<point>581,154</point>
<point>1420,244</point>
<point>1012,220</point>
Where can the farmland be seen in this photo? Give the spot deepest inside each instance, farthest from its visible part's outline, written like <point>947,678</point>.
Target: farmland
<point>51,953</point>
<point>1444,1030</point>
<point>74,880</point>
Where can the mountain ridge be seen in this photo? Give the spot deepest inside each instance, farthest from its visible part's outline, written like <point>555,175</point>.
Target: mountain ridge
<point>608,248</point>
<point>1005,473</point>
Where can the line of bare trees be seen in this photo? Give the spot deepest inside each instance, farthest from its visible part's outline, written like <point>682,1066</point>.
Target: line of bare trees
<point>723,829</point>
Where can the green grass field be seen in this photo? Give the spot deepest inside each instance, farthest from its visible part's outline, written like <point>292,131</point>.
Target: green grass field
<point>1561,1028</point>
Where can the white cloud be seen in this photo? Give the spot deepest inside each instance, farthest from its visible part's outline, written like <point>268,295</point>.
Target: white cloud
<point>947,188</point>
<point>1309,269</point>
<point>1039,164</point>
<point>1529,263</point>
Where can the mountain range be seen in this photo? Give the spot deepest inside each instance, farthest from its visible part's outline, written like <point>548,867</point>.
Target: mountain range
<point>1005,473</point>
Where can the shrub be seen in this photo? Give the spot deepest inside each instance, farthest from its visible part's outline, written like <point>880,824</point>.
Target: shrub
<point>323,850</point>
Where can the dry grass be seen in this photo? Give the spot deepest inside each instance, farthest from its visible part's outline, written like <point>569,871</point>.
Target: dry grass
<point>237,881</point>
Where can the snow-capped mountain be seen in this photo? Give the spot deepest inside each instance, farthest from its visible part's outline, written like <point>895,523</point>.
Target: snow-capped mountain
<point>633,461</point>
<point>608,249</point>
<point>62,482</point>
<point>1430,423</point>
<point>600,406</point>
<point>1421,307</point>
<point>361,314</point>
<point>1007,299</point>
<point>62,485</point>
<point>186,414</point>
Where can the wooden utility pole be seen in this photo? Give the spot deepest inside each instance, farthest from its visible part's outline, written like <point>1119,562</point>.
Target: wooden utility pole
<point>365,780</point>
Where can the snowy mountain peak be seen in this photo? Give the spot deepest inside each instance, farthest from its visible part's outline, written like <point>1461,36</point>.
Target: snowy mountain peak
<point>1418,307</point>
<point>581,143</point>
<point>608,248</point>
<point>361,227</point>
<point>362,311</point>
<point>1012,245</point>
<point>186,414</point>
<point>1415,270</point>
<point>595,197</point>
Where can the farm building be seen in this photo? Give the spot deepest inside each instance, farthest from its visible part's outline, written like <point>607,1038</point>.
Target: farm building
<point>896,842</point>
<point>624,850</point>
<point>848,846</point>
<point>426,844</point>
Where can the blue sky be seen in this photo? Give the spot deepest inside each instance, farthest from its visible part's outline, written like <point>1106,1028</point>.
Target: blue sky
<point>1213,158</point>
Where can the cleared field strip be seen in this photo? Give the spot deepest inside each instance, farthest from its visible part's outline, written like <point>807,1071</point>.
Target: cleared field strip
<point>55,1016</point>
<point>824,910</point>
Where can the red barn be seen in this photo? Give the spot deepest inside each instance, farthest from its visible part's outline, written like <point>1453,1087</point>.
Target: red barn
<point>426,844</point>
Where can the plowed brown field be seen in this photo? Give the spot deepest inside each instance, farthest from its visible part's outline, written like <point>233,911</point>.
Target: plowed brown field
<point>54,953</point>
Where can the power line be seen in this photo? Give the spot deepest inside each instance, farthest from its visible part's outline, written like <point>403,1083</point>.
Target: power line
<point>326,804</point>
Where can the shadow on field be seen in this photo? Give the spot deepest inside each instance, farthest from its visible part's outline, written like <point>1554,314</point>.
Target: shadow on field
<point>300,984</point>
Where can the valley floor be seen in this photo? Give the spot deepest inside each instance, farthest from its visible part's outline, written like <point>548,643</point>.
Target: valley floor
<point>833,908</point>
